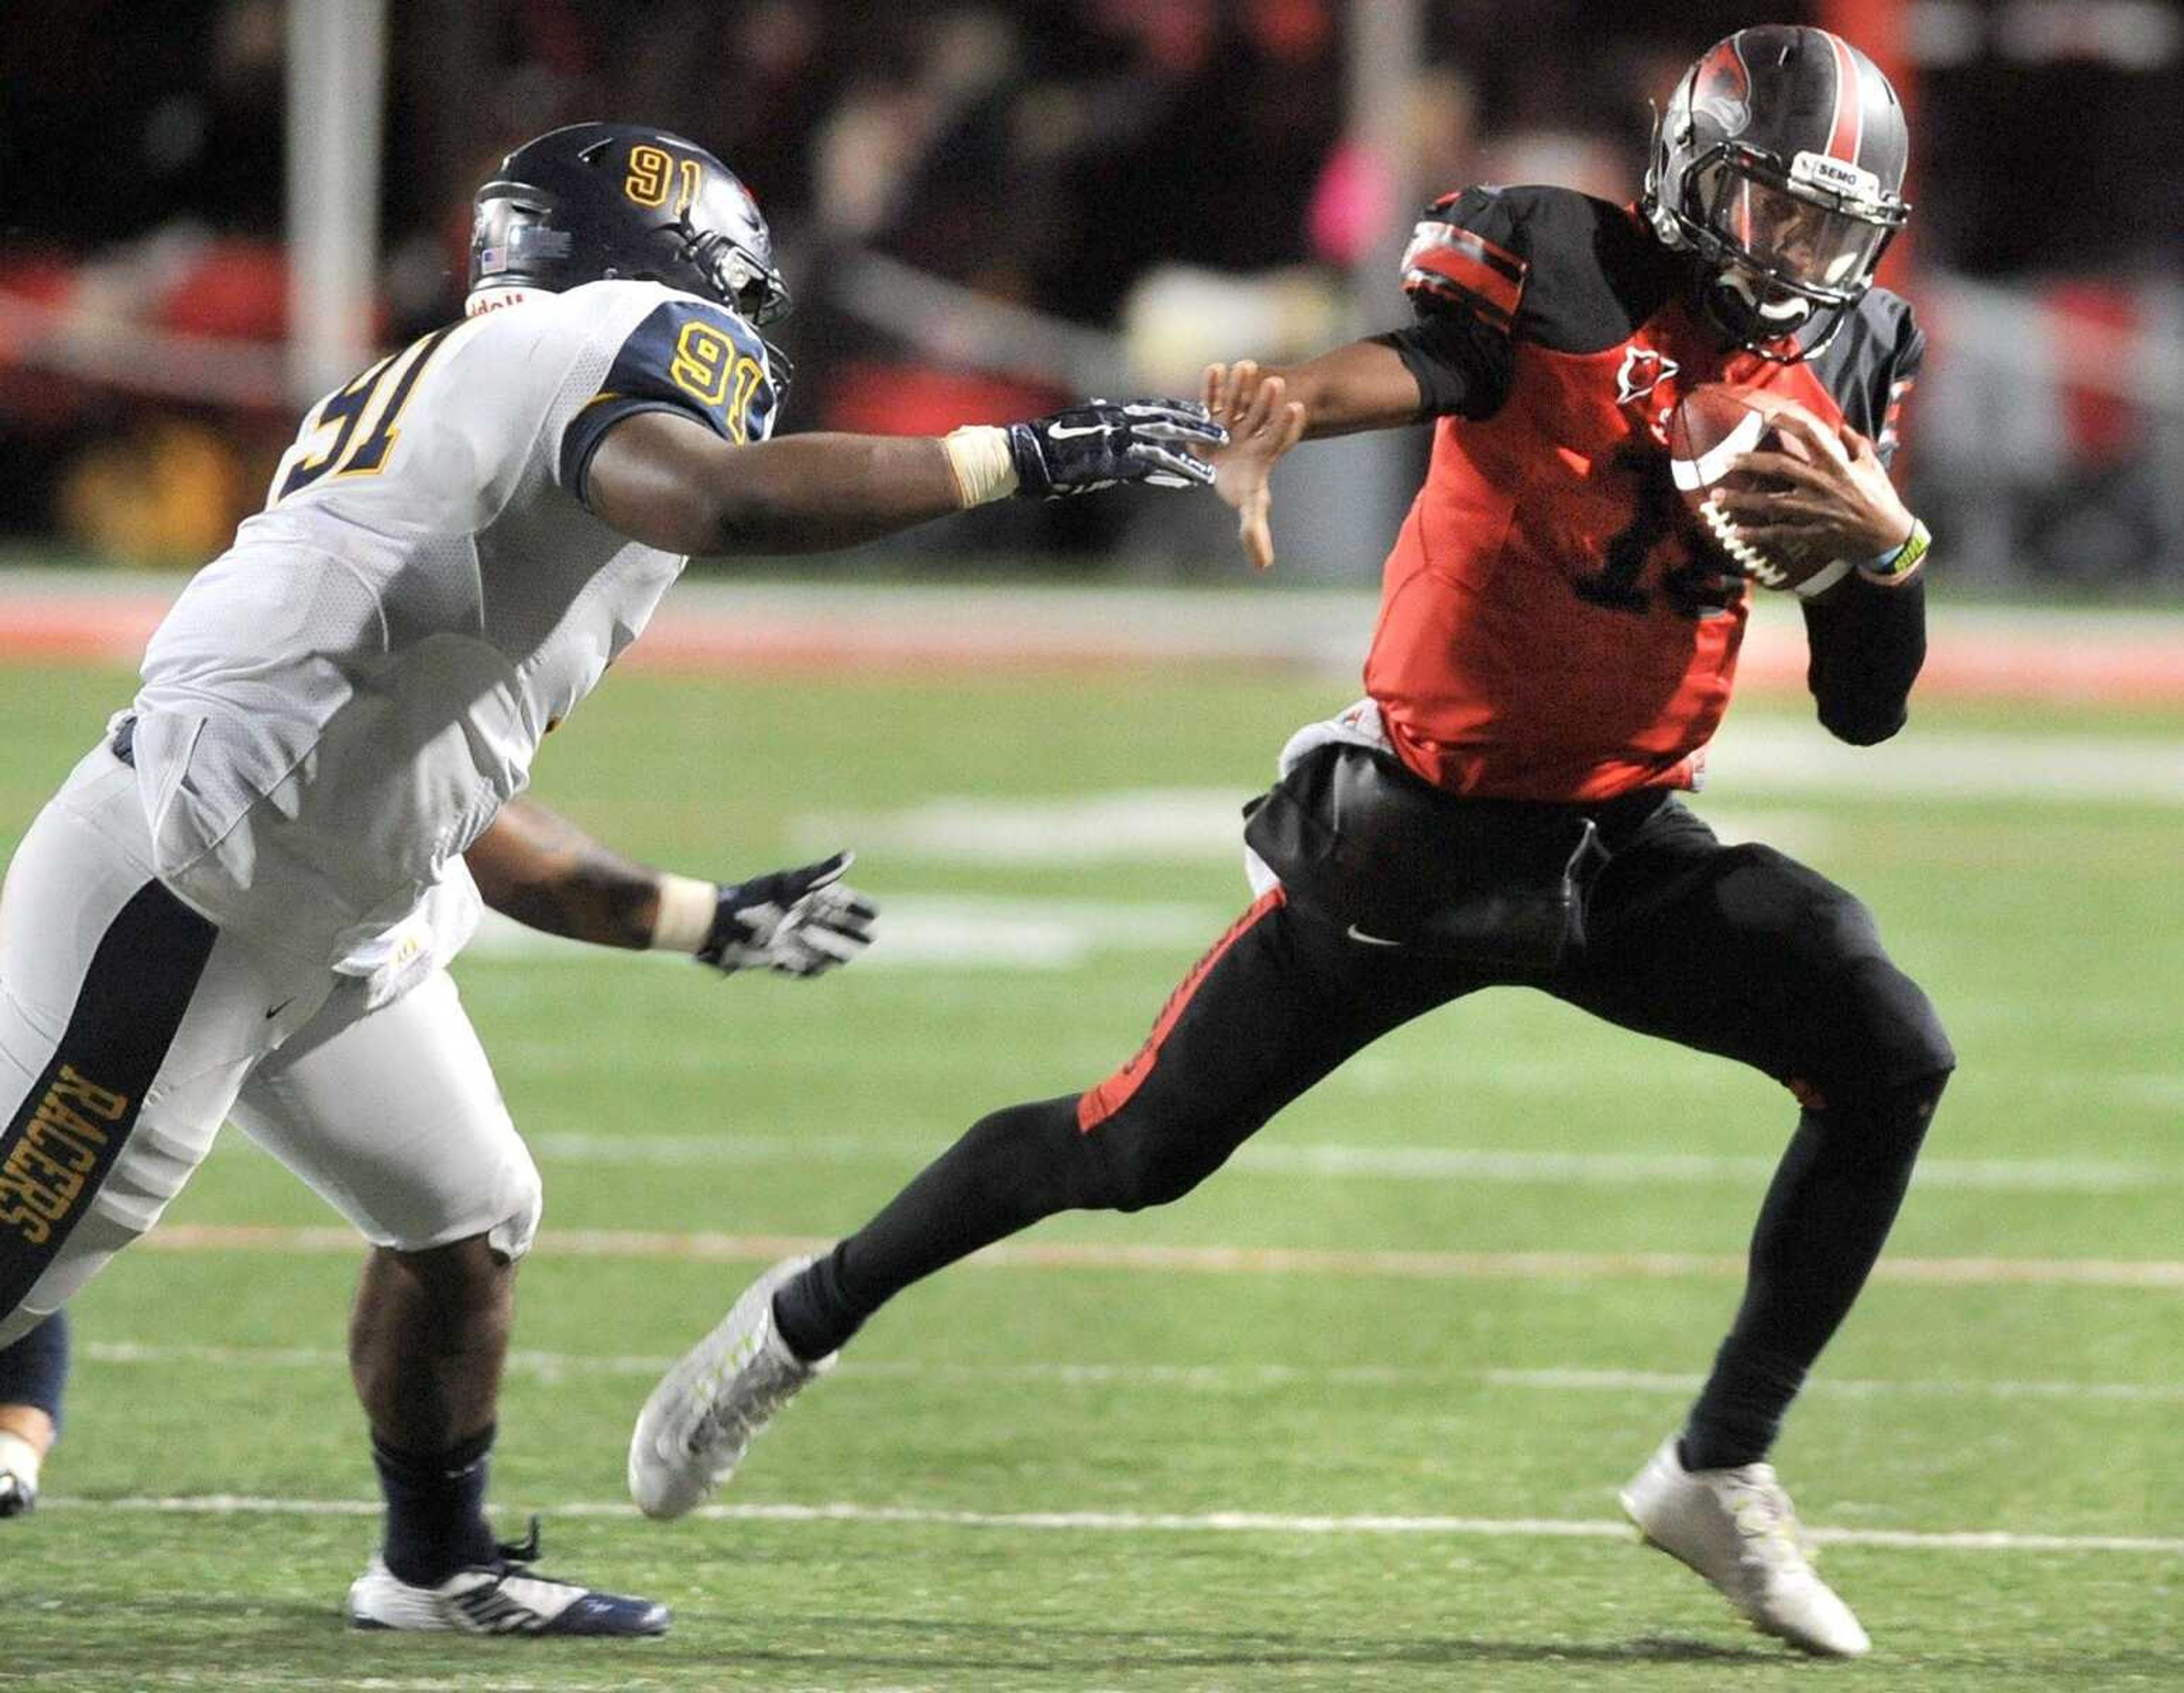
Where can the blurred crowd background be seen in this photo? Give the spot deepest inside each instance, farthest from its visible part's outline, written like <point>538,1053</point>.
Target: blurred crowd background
<point>984,207</point>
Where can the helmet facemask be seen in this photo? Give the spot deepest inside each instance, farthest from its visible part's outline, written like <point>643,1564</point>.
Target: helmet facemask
<point>753,291</point>
<point>1777,246</point>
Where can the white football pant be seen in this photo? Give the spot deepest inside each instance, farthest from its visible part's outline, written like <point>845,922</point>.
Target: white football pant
<point>130,1028</point>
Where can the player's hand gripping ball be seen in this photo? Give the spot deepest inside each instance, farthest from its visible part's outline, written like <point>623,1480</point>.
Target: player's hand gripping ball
<point>1712,427</point>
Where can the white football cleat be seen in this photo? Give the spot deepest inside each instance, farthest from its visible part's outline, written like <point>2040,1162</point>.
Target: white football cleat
<point>500,1597</point>
<point>19,1463</point>
<point>699,1421</point>
<point>1735,1527</point>
<point>17,1495</point>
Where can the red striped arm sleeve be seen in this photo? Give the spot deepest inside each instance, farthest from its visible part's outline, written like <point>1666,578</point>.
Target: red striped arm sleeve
<point>1449,264</point>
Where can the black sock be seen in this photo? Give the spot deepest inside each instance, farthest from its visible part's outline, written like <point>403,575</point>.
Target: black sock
<point>435,1509</point>
<point>1826,1215</point>
<point>811,1312</point>
<point>1741,1411</point>
<point>33,1371</point>
<point>1012,1168</point>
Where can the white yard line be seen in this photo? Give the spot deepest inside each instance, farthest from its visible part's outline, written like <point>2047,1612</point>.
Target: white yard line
<point>1141,825</point>
<point>1759,756</point>
<point>1169,1378</point>
<point>1139,1523</point>
<point>1471,1165</point>
<point>705,1246</point>
<point>1571,1380</point>
<point>947,932</point>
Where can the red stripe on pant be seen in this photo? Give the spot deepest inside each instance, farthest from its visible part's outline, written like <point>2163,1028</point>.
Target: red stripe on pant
<point>1102,1102</point>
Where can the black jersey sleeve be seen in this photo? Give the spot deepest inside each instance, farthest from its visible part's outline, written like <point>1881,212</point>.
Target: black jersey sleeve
<point>1490,268</point>
<point>1463,368</point>
<point>1465,274</point>
<point>1902,376</point>
<point>1867,642</point>
<point>688,356</point>
<point>1872,364</point>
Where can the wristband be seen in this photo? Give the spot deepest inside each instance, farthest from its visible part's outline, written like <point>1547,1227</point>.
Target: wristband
<point>1893,570</point>
<point>979,457</point>
<point>684,920</point>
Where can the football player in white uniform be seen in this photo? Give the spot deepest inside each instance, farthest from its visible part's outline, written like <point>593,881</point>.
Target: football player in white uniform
<point>348,1075</point>
<point>262,862</point>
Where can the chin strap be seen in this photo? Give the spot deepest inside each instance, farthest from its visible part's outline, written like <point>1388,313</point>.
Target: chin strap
<point>1727,302</point>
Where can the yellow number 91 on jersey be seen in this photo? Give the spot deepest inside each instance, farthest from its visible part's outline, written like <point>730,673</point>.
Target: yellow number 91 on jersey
<point>709,367</point>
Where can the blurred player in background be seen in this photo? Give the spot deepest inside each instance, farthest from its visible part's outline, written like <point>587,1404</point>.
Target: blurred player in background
<point>458,544</point>
<point>1555,647</point>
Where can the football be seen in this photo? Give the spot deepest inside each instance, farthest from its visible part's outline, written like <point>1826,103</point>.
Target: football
<point>1712,427</point>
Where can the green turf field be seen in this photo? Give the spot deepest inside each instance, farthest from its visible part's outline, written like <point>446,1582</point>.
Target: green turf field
<point>1092,1470</point>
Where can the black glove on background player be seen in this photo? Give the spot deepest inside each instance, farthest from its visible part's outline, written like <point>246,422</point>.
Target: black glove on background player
<point>1102,442</point>
<point>796,922</point>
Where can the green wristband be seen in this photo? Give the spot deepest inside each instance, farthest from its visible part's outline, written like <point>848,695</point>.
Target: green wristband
<point>1899,566</point>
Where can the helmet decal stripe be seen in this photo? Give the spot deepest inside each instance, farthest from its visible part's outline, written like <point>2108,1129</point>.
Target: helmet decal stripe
<point>1849,132</point>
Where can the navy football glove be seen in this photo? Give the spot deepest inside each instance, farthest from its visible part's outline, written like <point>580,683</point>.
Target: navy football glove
<point>1101,443</point>
<point>797,922</point>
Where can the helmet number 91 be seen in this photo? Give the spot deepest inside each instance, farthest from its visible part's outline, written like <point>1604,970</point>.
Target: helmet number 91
<point>653,172</point>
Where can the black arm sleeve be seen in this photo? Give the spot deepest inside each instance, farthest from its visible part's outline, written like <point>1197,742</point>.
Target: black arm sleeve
<point>1867,646</point>
<point>1464,369</point>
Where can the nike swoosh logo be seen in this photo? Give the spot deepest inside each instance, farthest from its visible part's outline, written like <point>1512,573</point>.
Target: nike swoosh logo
<point>1059,433</point>
<point>1359,935</point>
<point>280,1008</point>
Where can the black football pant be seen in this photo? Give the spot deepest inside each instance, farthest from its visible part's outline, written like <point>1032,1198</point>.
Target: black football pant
<point>1736,950</point>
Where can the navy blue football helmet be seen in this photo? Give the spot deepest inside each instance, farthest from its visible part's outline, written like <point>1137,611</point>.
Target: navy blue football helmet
<point>596,201</point>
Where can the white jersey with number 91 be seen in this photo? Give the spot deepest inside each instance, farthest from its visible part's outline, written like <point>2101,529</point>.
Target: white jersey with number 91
<point>336,706</point>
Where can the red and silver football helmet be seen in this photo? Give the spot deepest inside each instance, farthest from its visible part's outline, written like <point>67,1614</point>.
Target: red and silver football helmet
<point>1778,163</point>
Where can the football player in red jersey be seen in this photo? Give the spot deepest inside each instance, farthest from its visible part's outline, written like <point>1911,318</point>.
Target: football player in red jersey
<point>1556,647</point>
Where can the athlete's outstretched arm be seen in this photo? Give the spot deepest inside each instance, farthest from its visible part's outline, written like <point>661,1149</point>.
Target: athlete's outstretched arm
<point>1464,274</point>
<point>665,479</point>
<point>1363,386</point>
<point>1435,367</point>
<point>545,872</point>
<point>1444,364</point>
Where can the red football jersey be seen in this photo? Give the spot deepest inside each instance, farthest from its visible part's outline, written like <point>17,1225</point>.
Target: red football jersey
<point>1553,626</point>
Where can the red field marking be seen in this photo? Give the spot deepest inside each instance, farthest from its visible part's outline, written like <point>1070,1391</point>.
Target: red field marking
<point>2028,660</point>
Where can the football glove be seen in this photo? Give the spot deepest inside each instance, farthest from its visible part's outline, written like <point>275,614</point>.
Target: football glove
<point>1101,443</point>
<point>796,922</point>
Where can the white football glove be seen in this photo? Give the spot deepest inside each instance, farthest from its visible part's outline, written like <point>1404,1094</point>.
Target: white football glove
<point>795,922</point>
